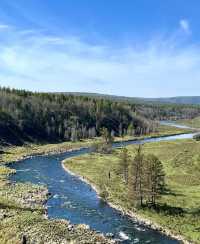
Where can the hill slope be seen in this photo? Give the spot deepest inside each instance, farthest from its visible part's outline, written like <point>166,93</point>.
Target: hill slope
<point>195,100</point>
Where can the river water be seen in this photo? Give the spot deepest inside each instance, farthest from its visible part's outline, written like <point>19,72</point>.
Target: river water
<point>77,202</point>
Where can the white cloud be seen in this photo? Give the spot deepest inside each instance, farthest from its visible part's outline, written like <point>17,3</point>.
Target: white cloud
<point>50,63</point>
<point>4,26</point>
<point>185,26</point>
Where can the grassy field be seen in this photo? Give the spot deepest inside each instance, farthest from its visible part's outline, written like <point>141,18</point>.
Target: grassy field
<point>195,123</point>
<point>21,205</point>
<point>14,153</point>
<point>162,130</point>
<point>181,160</point>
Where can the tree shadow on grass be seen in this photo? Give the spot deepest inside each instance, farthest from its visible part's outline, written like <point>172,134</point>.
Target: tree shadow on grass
<point>169,192</point>
<point>166,209</point>
<point>195,212</point>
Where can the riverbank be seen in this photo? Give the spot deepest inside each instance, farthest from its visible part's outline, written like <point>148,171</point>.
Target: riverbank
<point>134,215</point>
<point>30,220</point>
<point>194,123</point>
<point>23,216</point>
<point>162,131</point>
<point>16,153</point>
<point>182,180</point>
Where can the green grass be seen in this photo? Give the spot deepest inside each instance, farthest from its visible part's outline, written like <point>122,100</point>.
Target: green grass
<point>22,214</point>
<point>14,153</point>
<point>6,171</point>
<point>21,205</point>
<point>195,123</point>
<point>181,160</point>
<point>162,130</point>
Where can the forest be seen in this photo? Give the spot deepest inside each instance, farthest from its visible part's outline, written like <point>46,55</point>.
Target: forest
<point>52,117</point>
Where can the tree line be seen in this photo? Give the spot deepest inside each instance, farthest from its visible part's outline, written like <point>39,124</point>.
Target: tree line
<point>52,117</point>
<point>28,116</point>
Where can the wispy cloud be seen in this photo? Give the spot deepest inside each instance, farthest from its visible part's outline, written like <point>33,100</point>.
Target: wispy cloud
<point>33,60</point>
<point>185,26</point>
<point>4,26</point>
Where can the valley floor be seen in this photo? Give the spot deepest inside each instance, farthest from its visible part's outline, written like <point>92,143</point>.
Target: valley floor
<point>178,211</point>
<point>16,153</point>
<point>194,123</point>
<point>22,211</point>
<point>23,217</point>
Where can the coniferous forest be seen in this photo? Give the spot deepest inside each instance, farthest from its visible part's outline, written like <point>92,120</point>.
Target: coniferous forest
<point>52,117</point>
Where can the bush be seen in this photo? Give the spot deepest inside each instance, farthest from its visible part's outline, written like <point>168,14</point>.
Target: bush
<point>197,137</point>
<point>101,147</point>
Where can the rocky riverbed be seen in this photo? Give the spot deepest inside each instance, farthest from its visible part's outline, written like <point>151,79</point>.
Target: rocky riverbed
<point>23,219</point>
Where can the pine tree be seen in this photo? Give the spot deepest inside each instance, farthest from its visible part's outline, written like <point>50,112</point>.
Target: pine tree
<point>136,179</point>
<point>106,136</point>
<point>124,164</point>
<point>155,178</point>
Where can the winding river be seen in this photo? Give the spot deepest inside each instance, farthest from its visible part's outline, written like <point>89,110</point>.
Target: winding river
<point>77,202</point>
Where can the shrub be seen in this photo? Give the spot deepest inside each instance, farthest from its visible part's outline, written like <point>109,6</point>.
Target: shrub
<point>197,137</point>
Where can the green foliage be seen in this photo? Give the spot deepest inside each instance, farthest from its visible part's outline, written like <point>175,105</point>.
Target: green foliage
<point>177,209</point>
<point>22,214</point>
<point>53,117</point>
<point>124,164</point>
<point>106,136</point>
<point>155,178</point>
<point>136,181</point>
<point>105,145</point>
<point>197,137</point>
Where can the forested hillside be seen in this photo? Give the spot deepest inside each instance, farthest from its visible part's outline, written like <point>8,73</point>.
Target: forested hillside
<point>156,108</point>
<point>27,116</point>
<point>180,100</point>
<point>185,100</point>
<point>51,117</point>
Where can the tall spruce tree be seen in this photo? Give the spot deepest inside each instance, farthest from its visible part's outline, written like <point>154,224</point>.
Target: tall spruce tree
<point>124,164</point>
<point>136,179</point>
<point>155,178</point>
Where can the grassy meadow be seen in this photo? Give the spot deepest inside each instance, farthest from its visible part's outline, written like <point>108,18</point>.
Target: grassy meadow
<point>15,153</point>
<point>179,209</point>
<point>22,205</point>
<point>195,123</point>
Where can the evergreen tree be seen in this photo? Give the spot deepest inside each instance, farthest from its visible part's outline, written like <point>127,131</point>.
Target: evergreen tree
<point>106,136</point>
<point>136,179</point>
<point>155,178</point>
<point>124,164</point>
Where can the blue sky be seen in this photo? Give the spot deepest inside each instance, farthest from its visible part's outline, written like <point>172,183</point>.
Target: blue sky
<point>146,48</point>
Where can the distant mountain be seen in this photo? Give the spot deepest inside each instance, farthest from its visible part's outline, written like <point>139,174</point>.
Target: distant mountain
<point>178,100</point>
<point>170,100</point>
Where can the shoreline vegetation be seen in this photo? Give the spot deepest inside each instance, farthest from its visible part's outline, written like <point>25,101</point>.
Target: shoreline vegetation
<point>33,212</point>
<point>194,123</point>
<point>180,160</point>
<point>31,117</point>
<point>10,154</point>
<point>24,218</point>
<point>134,215</point>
